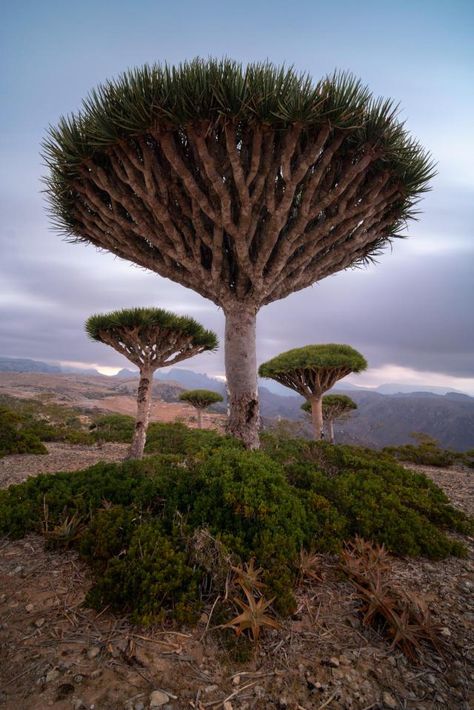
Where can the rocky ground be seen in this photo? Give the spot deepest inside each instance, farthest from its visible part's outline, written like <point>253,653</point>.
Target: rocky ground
<point>57,653</point>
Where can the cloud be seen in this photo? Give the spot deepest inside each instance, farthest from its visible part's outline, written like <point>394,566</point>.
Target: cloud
<point>394,374</point>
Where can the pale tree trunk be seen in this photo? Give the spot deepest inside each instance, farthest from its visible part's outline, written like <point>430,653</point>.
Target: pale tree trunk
<point>143,414</point>
<point>241,373</point>
<point>199,416</point>
<point>317,415</point>
<point>331,430</point>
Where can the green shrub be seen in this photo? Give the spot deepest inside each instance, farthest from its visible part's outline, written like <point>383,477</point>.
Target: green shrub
<point>428,452</point>
<point>113,427</point>
<point>138,518</point>
<point>176,438</point>
<point>24,424</point>
<point>151,581</point>
<point>15,438</point>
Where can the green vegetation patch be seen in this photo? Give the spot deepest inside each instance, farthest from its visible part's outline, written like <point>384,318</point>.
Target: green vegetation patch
<point>136,522</point>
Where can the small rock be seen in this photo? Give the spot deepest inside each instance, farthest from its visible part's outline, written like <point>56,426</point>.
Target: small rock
<point>158,698</point>
<point>389,701</point>
<point>29,608</point>
<point>211,688</point>
<point>93,652</point>
<point>228,705</point>
<point>52,675</point>
<point>18,569</point>
<point>283,702</point>
<point>431,679</point>
<point>333,662</point>
<point>39,622</point>
<point>78,704</point>
<point>445,632</point>
<point>138,706</point>
<point>236,680</point>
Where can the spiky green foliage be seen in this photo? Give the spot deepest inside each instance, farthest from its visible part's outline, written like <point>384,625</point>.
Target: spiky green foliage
<point>338,403</point>
<point>149,324</point>
<point>201,398</point>
<point>314,369</point>
<point>117,138</point>
<point>310,357</point>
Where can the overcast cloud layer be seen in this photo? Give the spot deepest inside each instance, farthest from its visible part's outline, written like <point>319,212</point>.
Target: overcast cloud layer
<point>411,315</point>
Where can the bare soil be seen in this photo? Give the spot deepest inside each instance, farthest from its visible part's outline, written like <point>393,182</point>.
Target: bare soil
<point>57,653</point>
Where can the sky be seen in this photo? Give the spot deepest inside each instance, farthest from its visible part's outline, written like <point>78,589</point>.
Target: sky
<point>411,314</point>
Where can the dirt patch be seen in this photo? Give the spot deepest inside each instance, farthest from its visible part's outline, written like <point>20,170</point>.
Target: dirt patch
<point>57,653</point>
<point>60,457</point>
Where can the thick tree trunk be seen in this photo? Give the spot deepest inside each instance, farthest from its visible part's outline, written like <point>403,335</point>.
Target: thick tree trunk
<point>241,373</point>
<point>331,430</point>
<point>199,416</point>
<point>143,414</point>
<point>317,415</point>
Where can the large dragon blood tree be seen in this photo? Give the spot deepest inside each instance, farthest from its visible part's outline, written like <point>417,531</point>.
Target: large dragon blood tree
<point>150,338</point>
<point>313,370</point>
<point>243,184</point>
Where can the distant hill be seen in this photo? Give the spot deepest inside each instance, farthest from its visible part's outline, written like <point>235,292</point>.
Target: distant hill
<point>17,364</point>
<point>124,373</point>
<point>14,364</point>
<point>407,389</point>
<point>191,380</point>
<point>384,420</point>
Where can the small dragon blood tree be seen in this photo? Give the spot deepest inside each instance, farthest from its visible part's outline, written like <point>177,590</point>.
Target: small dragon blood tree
<point>200,399</point>
<point>313,370</point>
<point>244,184</point>
<point>150,338</point>
<point>335,406</point>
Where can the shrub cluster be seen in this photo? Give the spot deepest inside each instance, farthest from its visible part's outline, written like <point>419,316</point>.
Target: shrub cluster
<point>113,427</point>
<point>137,522</point>
<point>15,435</point>
<point>27,423</point>
<point>428,452</point>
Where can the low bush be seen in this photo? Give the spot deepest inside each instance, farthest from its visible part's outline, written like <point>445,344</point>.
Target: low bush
<point>15,437</point>
<point>177,438</point>
<point>113,427</point>
<point>24,424</point>
<point>428,452</point>
<point>140,521</point>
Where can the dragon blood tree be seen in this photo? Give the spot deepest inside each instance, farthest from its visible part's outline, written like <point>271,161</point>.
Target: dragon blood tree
<point>335,406</point>
<point>201,400</point>
<point>313,370</point>
<point>150,338</point>
<point>243,184</point>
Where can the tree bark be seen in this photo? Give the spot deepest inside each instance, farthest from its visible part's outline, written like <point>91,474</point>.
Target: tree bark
<point>317,415</point>
<point>199,417</point>
<point>331,430</point>
<point>241,372</point>
<point>143,413</point>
